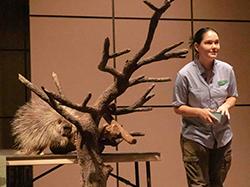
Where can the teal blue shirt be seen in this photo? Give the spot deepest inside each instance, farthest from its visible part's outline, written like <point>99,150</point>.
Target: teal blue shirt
<point>193,90</point>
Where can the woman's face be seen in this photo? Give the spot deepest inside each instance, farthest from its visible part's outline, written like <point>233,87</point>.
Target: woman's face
<point>209,46</point>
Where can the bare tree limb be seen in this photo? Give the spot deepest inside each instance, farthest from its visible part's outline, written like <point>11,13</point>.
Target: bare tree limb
<point>57,83</point>
<point>61,110</point>
<point>105,57</point>
<point>114,55</point>
<point>146,97</point>
<point>128,110</point>
<point>130,68</point>
<point>86,100</point>
<point>33,88</point>
<point>151,5</point>
<point>143,79</point>
<point>171,48</point>
<point>136,106</point>
<point>44,96</point>
<point>133,133</point>
<point>160,55</point>
<point>63,99</point>
<point>122,79</point>
<point>66,102</point>
<point>164,56</point>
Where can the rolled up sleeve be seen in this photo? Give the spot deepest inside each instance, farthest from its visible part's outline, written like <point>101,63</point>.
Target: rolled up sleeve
<point>180,91</point>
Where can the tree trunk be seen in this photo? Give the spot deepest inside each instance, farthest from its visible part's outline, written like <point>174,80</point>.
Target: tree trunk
<point>93,171</point>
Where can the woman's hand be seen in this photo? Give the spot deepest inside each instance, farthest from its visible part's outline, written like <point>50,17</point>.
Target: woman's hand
<point>205,114</point>
<point>224,110</point>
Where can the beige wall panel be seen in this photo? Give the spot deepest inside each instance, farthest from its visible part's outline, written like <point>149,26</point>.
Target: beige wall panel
<point>222,9</point>
<point>132,8</point>
<point>65,176</point>
<point>235,45</point>
<point>72,7</point>
<point>239,174</point>
<point>131,34</point>
<point>72,48</point>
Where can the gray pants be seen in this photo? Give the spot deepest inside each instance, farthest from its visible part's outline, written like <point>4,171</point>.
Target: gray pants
<point>205,167</point>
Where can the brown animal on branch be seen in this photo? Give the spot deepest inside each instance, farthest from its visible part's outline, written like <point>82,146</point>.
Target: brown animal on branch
<point>89,142</point>
<point>37,126</point>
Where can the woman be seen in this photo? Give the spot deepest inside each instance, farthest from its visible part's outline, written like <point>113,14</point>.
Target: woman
<point>205,90</point>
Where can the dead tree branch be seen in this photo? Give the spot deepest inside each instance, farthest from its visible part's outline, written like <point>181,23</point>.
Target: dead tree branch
<point>143,79</point>
<point>122,81</point>
<point>152,27</point>
<point>105,57</point>
<point>57,83</point>
<point>164,55</point>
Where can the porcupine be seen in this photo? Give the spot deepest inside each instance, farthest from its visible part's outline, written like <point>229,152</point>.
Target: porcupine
<point>37,126</point>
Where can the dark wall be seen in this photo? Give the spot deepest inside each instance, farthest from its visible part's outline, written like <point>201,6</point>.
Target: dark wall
<point>14,59</point>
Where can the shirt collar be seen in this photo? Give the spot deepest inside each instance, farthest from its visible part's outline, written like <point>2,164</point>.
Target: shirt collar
<point>201,68</point>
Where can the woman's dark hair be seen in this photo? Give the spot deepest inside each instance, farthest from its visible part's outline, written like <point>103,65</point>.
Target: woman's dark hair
<point>198,37</point>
